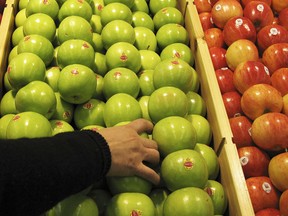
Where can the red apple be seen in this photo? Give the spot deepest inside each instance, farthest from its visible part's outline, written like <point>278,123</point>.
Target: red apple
<point>241,126</point>
<point>285,104</point>
<point>260,13</point>
<point>259,99</point>
<point>232,103</point>
<point>254,161</point>
<point>206,20</point>
<point>245,2</point>
<point>214,37</point>
<point>262,193</point>
<point>270,131</point>
<point>271,34</point>
<point>276,56</point>
<point>239,28</point>
<point>283,203</point>
<point>240,51</point>
<point>279,80</point>
<point>268,212</point>
<point>283,18</point>
<point>223,10</point>
<point>279,5</point>
<point>218,57</point>
<point>277,170</point>
<point>203,5</point>
<point>224,78</point>
<point>249,73</point>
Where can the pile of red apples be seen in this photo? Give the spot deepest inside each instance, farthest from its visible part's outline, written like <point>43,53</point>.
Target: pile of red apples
<point>248,44</point>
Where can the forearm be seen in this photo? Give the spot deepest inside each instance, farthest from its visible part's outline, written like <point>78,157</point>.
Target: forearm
<point>39,173</point>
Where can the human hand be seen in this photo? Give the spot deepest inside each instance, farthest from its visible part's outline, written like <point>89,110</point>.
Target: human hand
<point>129,150</point>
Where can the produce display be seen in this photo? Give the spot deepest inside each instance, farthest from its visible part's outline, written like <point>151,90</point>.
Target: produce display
<point>76,65</point>
<point>248,46</point>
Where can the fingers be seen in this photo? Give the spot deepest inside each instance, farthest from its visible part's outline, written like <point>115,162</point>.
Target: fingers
<point>149,143</point>
<point>141,125</point>
<point>148,174</point>
<point>152,156</point>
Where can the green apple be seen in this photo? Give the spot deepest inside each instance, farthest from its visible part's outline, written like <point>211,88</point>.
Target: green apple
<point>7,105</point>
<point>156,5</point>
<point>123,184</point>
<point>123,54</point>
<point>121,80</point>
<point>51,77</point>
<point>158,196</point>
<point>121,107</point>
<point>128,3</point>
<point>196,104</point>
<point>211,158</point>
<point>145,39</point>
<point>131,203</point>
<point>178,50</point>
<point>203,128</point>
<point>188,201</point>
<point>196,82</point>
<point>140,18</point>
<point>171,33</point>
<point>89,113</point>
<point>40,23</point>
<point>116,11</point>
<point>98,94</point>
<point>36,96</point>
<point>218,195</point>
<point>174,133</point>
<point>24,68</point>
<point>22,4</point>
<point>173,72</point>
<point>77,205</point>
<point>149,59</point>
<point>93,127</point>
<point>4,121</point>
<point>60,126</point>
<point>140,5</point>
<point>99,65</point>
<point>28,125</point>
<point>75,51</point>
<point>96,24</point>
<point>101,197</point>
<point>97,43</point>
<point>167,101</point>
<point>17,35</point>
<point>74,27</point>
<point>117,31</point>
<point>64,110</point>
<point>49,7</point>
<point>12,53</point>
<point>7,85</point>
<point>184,168</point>
<point>168,15</point>
<point>146,82</point>
<point>38,45</point>
<point>143,101</point>
<point>20,18</point>
<point>79,8</point>
<point>97,6</point>
<point>76,83</point>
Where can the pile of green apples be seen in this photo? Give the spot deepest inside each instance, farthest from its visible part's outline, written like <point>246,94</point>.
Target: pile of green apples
<point>77,65</point>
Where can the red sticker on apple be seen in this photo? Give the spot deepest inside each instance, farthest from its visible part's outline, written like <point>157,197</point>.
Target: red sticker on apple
<point>175,62</point>
<point>136,213</point>
<point>59,124</point>
<point>209,191</point>
<point>16,117</point>
<point>87,105</point>
<point>74,71</point>
<point>188,164</point>
<point>117,74</point>
<point>45,2</point>
<point>85,45</point>
<point>177,55</point>
<point>123,57</point>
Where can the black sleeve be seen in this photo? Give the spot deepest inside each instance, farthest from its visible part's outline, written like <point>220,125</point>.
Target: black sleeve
<point>35,174</point>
